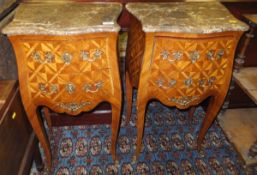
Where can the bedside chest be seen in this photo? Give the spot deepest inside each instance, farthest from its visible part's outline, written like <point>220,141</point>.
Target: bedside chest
<point>67,60</point>
<point>180,54</point>
<point>18,142</point>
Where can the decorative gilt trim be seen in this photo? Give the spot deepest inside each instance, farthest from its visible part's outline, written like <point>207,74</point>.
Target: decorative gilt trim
<point>183,101</point>
<point>211,80</point>
<point>42,87</point>
<point>210,55</point>
<point>165,54</point>
<point>93,88</point>
<point>67,57</point>
<point>49,57</point>
<point>36,56</point>
<point>97,54</point>
<point>176,55</point>
<point>172,83</point>
<point>85,55</point>
<point>220,54</point>
<point>188,82</point>
<point>160,83</point>
<point>201,82</point>
<point>53,88</point>
<point>72,107</point>
<point>194,56</point>
<point>70,88</point>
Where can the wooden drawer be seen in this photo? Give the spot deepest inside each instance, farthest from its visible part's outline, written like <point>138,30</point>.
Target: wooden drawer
<point>67,74</point>
<point>85,53</point>
<point>15,133</point>
<point>184,70</point>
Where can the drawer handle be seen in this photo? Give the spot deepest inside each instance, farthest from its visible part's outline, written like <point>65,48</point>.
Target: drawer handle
<point>183,101</point>
<point>70,88</point>
<point>53,88</point>
<point>175,55</point>
<point>86,56</point>
<point>14,115</point>
<point>220,54</point>
<point>210,55</point>
<point>171,83</point>
<point>188,82</point>
<point>97,54</point>
<point>67,57</point>
<point>93,88</point>
<point>211,80</point>
<point>194,56</point>
<point>72,107</point>
<point>48,58</point>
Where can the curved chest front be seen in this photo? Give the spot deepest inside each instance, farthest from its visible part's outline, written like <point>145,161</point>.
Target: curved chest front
<point>185,70</point>
<point>67,74</point>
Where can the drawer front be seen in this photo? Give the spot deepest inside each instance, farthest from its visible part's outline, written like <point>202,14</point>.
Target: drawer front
<point>14,135</point>
<point>184,70</point>
<point>68,75</point>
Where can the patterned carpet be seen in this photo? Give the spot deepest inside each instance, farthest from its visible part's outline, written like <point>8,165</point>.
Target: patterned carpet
<point>169,147</point>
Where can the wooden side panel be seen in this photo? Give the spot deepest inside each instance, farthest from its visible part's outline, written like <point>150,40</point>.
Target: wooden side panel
<point>135,50</point>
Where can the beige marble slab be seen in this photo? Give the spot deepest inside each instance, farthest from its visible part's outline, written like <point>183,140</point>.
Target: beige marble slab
<point>64,18</point>
<point>185,17</point>
<point>240,126</point>
<point>247,80</point>
<point>252,17</point>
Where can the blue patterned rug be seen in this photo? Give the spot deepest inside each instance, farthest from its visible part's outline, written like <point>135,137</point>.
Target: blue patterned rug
<point>169,147</point>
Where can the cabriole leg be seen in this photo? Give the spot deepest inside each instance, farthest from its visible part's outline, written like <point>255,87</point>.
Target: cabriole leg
<point>129,91</point>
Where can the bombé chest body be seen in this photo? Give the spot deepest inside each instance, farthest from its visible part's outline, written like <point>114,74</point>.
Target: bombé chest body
<point>187,55</point>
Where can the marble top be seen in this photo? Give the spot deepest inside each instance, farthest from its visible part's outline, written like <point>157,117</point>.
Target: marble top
<point>64,18</point>
<point>186,17</point>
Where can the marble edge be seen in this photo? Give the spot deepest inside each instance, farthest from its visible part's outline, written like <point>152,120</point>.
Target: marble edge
<point>150,28</point>
<point>190,31</point>
<point>70,2</point>
<point>45,31</point>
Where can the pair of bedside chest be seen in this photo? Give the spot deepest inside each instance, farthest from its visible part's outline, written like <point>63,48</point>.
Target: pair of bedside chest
<point>178,53</point>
